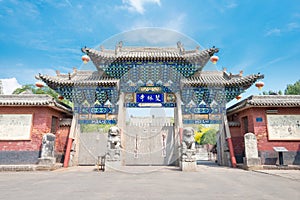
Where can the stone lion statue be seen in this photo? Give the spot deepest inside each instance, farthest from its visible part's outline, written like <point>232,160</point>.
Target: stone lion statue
<point>188,140</point>
<point>188,145</point>
<point>113,143</point>
<point>114,140</point>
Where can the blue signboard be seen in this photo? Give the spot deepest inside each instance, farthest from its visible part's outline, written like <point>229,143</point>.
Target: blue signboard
<point>137,105</point>
<point>201,121</point>
<point>149,98</point>
<point>259,119</point>
<point>203,110</point>
<point>97,121</point>
<point>95,110</point>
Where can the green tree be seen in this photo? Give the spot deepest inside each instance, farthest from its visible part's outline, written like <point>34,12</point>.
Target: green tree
<point>44,90</point>
<point>293,89</point>
<point>28,87</point>
<point>88,128</point>
<point>209,137</point>
<point>271,92</point>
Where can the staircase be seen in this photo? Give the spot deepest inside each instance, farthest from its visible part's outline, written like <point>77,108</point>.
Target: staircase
<point>202,153</point>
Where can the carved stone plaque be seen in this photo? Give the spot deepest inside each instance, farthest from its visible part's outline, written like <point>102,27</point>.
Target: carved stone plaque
<point>283,127</point>
<point>15,126</point>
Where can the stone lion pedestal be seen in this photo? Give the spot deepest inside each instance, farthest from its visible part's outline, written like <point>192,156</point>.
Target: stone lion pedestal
<point>113,154</point>
<point>188,151</point>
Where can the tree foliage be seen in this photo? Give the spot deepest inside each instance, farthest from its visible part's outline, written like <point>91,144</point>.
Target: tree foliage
<point>88,128</point>
<point>205,135</point>
<point>198,136</point>
<point>293,89</point>
<point>271,92</point>
<point>44,90</point>
<point>209,137</point>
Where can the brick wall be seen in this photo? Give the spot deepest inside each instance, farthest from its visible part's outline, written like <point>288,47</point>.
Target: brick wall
<point>259,128</point>
<point>28,151</point>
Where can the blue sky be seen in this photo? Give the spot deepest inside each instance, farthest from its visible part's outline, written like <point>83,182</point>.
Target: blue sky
<point>41,36</point>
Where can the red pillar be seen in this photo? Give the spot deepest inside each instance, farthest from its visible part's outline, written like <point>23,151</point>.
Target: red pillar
<point>231,151</point>
<point>68,151</point>
<point>180,134</point>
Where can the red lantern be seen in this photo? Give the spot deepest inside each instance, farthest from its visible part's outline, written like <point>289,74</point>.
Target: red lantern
<point>60,97</point>
<point>214,59</point>
<point>39,84</point>
<point>259,85</point>
<point>238,97</point>
<point>85,59</point>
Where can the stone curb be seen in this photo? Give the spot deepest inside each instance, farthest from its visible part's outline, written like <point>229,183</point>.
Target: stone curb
<point>24,168</point>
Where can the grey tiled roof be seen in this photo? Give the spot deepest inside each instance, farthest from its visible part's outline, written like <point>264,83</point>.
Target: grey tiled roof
<point>132,54</point>
<point>79,77</point>
<point>33,100</point>
<point>203,78</point>
<point>65,122</point>
<point>267,101</point>
<point>221,78</point>
<point>147,52</point>
<point>234,124</point>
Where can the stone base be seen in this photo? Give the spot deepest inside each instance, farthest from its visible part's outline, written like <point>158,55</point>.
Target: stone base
<point>252,164</point>
<point>47,161</point>
<point>112,166</point>
<point>48,167</point>
<point>188,166</point>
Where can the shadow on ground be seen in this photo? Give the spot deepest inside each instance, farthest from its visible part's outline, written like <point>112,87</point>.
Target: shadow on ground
<point>208,163</point>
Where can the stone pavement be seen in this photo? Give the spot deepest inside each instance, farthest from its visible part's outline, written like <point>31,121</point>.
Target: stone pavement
<point>291,174</point>
<point>209,182</point>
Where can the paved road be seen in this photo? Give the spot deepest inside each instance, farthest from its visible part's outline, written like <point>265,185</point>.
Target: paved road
<point>210,182</point>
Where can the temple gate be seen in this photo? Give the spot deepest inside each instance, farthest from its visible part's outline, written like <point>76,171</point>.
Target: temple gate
<point>148,77</point>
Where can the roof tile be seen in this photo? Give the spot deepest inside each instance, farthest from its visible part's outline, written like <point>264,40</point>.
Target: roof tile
<point>32,100</point>
<point>267,101</point>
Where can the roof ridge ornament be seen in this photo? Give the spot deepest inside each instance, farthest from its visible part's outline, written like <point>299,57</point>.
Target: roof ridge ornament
<point>212,51</point>
<point>118,47</point>
<point>181,48</point>
<point>102,48</point>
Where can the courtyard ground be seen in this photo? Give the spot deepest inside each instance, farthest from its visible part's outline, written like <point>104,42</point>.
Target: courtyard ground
<point>209,182</point>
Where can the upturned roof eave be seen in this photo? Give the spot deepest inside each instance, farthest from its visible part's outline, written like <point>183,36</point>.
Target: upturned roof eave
<point>104,57</point>
<point>28,100</point>
<point>51,81</point>
<point>252,102</point>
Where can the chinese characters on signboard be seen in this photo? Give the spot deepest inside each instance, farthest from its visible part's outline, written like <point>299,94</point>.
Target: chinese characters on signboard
<point>149,98</point>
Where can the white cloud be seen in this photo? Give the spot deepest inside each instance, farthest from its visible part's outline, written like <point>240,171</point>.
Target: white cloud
<point>274,31</point>
<point>152,36</point>
<point>9,85</point>
<point>176,23</point>
<point>292,26</point>
<point>289,27</point>
<point>231,5</point>
<point>170,22</point>
<point>223,6</point>
<point>69,3</point>
<point>138,5</point>
<point>296,15</point>
<point>274,61</point>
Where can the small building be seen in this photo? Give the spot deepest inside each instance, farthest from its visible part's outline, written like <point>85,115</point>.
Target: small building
<point>24,119</point>
<point>274,119</point>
